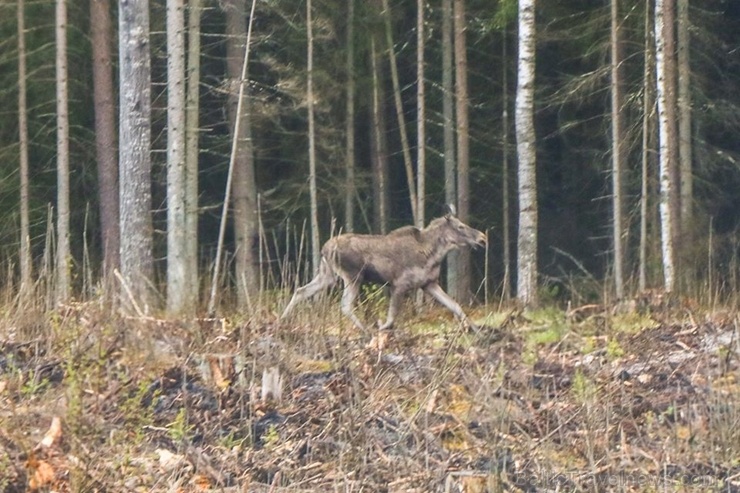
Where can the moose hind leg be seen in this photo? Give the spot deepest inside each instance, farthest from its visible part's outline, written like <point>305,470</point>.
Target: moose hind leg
<point>351,291</point>
<point>323,280</point>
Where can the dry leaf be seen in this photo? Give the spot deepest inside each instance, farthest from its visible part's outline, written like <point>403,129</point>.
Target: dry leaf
<point>3,385</point>
<point>201,482</point>
<point>40,473</point>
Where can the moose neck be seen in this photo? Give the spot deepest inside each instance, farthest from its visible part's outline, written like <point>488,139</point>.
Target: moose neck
<point>436,246</point>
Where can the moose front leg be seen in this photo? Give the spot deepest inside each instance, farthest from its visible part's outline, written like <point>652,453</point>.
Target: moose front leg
<point>394,305</point>
<point>435,291</point>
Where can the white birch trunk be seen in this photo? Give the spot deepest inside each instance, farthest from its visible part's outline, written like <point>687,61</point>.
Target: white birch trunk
<point>666,137</point>
<point>526,151</point>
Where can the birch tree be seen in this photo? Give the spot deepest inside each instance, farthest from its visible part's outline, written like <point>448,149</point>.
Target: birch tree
<point>667,134</point>
<point>63,257</point>
<point>526,152</point>
<point>25,235</point>
<point>134,155</point>
<point>177,285</point>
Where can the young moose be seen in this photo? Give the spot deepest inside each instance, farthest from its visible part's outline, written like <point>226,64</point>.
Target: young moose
<point>405,259</point>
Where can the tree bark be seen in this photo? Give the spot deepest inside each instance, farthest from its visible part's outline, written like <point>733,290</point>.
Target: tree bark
<point>244,186</point>
<point>526,150</point>
<point>350,185</point>
<point>405,147</point>
<point>617,149</point>
<point>23,141</point>
<point>105,132</point>
<point>315,243</point>
<point>648,106</point>
<point>134,155</point>
<point>421,116</point>
<point>463,144</point>
<point>667,135</point>
<point>448,115</point>
<point>192,130</point>
<point>505,211</point>
<point>178,302</point>
<point>63,258</point>
<point>685,150</point>
<point>378,151</point>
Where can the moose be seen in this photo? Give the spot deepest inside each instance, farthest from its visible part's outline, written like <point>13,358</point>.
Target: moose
<point>405,259</point>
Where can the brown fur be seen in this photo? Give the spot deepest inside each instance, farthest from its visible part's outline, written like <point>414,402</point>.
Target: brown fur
<point>405,259</point>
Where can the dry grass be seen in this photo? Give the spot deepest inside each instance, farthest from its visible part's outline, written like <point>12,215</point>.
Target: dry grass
<point>539,401</point>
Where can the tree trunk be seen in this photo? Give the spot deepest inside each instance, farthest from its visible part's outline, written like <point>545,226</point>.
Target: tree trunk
<point>617,149</point>
<point>526,151</point>
<point>63,259</point>
<point>315,244</point>
<point>505,212</point>
<point>648,106</point>
<point>350,186</point>
<point>684,122</point>
<point>667,135</point>
<point>177,279</point>
<point>405,148</point>
<point>421,115</point>
<point>378,151</point>
<point>105,132</point>
<point>192,109</point>
<point>244,186</point>
<point>463,144</point>
<point>448,115</point>
<point>25,245</point>
<point>134,155</point>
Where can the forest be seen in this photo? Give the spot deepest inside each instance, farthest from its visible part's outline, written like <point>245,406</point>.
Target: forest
<point>367,160</point>
<point>171,169</point>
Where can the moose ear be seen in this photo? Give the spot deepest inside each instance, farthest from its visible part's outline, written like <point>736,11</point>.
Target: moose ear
<point>451,210</point>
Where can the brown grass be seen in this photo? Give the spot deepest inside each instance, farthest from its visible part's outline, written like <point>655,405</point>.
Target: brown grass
<point>579,401</point>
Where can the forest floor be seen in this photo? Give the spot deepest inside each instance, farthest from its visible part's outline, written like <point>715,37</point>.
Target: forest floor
<point>643,397</point>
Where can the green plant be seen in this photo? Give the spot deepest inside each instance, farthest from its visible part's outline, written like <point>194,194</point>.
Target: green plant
<point>179,430</point>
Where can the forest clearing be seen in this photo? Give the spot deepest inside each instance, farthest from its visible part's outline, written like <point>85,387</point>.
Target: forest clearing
<point>640,397</point>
